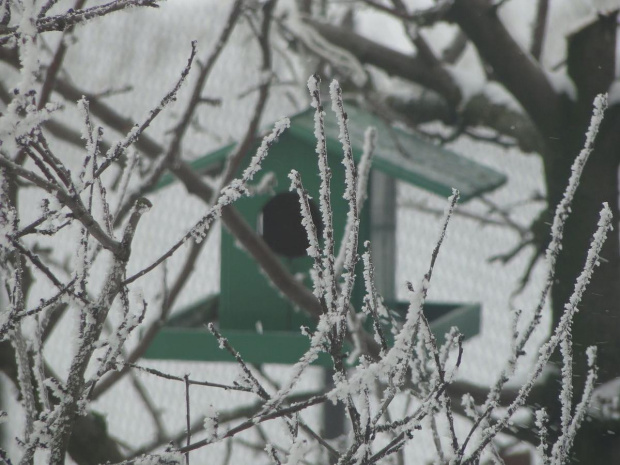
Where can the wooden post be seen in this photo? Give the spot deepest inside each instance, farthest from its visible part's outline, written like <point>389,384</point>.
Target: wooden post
<point>383,232</point>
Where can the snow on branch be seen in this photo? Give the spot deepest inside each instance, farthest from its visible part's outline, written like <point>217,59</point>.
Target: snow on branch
<point>561,333</point>
<point>557,232</point>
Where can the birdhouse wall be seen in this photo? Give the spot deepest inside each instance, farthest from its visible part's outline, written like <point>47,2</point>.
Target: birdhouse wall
<point>247,296</point>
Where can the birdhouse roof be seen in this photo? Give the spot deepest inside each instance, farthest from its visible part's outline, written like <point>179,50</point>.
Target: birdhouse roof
<point>403,155</point>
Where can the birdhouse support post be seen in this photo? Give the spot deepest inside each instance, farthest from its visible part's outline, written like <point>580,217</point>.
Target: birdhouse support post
<point>382,200</point>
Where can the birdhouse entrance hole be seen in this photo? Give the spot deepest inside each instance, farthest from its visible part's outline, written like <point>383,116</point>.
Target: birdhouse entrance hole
<point>280,225</point>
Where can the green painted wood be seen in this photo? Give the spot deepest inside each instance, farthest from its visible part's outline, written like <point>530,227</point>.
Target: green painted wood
<point>406,156</point>
<point>247,297</point>
<point>248,301</point>
<point>403,155</point>
<point>188,339</point>
<point>199,345</point>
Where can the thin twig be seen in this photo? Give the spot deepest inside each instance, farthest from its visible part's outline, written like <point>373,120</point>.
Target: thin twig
<point>187,418</point>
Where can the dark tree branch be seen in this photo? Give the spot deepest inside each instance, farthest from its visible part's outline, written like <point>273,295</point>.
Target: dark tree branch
<point>56,63</point>
<point>479,218</point>
<point>455,49</point>
<point>70,18</point>
<point>423,49</point>
<point>592,59</point>
<point>205,70</point>
<point>423,17</point>
<point>512,66</point>
<point>479,110</point>
<point>242,148</point>
<point>73,202</point>
<point>414,68</point>
<point>540,26</point>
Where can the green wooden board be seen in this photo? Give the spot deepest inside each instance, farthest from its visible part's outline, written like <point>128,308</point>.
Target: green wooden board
<point>406,156</point>
<point>403,155</point>
<point>195,343</point>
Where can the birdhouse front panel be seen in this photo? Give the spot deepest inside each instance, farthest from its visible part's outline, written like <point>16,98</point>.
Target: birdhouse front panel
<point>248,300</point>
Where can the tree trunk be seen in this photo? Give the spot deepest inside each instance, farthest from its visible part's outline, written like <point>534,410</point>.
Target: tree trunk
<point>598,321</point>
<point>591,65</point>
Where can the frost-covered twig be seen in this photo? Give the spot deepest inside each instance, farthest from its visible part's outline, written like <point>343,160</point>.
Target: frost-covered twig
<point>592,260</point>
<point>561,449</point>
<point>93,318</point>
<point>71,17</point>
<point>120,147</point>
<point>263,416</point>
<point>326,278</point>
<point>553,250</point>
<point>350,240</point>
<point>119,335</point>
<point>361,191</point>
<point>263,37</point>
<point>314,249</point>
<point>72,202</point>
<point>372,300</point>
<point>563,211</point>
<point>256,387</point>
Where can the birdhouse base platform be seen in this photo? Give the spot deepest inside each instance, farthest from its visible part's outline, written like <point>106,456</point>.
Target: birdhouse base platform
<point>196,343</point>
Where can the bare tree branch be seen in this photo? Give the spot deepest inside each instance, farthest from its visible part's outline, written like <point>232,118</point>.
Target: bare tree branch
<point>70,18</point>
<point>479,110</point>
<point>414,68</point>
<point>514,68</point>
<point>456,48</point>
<point>56,63</point>
<point>72,201</point>
<point>423,17</point>
<point>69,408</point>
<point>234,160</point>
<point>538,31</point>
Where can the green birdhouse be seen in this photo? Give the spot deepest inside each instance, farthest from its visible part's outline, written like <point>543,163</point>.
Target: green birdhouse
<point>258,321</point>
